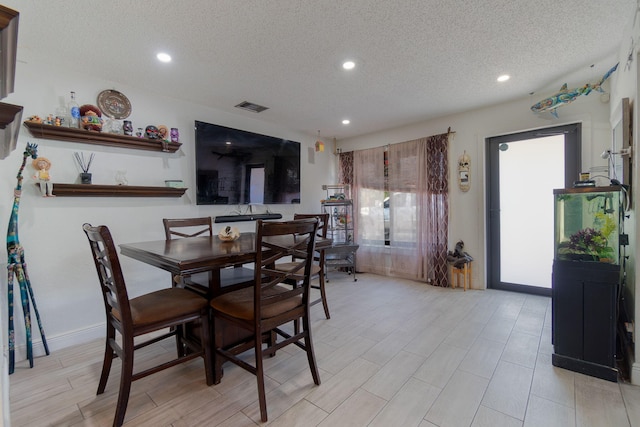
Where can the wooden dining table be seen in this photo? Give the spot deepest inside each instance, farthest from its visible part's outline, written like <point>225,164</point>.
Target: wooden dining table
<point>193,255</point>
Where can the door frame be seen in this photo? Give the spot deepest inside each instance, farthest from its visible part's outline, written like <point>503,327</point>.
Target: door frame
<point>573,155</point>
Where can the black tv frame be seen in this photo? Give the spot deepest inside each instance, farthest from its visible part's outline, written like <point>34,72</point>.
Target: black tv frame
<point>223,169</point>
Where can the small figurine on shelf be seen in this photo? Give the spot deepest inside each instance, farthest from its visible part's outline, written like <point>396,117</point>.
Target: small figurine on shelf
<point>139,133</point>
<point>91,118</point>
<point>163,133</point>
<point>42,175</point>
<point>121,178</point>
<point>127,127</point>
<point>151,132</point>
<point>175,135</point>
<point>112,126</point>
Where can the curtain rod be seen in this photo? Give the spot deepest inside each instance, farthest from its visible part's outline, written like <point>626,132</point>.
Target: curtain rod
<point>386,146</point>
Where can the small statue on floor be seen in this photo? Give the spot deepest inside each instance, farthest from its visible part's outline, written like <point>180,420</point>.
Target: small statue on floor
<point>458,257</point>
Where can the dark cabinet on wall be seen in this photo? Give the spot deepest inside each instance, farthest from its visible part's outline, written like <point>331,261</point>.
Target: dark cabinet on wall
<point>587,276</point>
<point>10,115</point>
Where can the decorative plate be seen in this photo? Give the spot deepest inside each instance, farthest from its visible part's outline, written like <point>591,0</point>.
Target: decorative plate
<point>114,104</point>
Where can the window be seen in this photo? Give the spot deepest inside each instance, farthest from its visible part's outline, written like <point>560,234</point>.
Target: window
<point>401,209</point>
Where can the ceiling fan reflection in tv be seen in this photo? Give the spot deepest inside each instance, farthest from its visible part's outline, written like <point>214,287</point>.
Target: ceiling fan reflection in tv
<point>237,167</point>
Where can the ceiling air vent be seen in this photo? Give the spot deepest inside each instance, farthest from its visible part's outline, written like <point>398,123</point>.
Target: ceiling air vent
<point>250,106</point>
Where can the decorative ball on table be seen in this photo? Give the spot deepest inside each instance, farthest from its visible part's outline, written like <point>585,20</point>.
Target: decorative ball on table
<point>229,234</point>
<point>90,118</point>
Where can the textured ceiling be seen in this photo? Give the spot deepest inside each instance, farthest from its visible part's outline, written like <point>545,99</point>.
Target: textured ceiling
<point>416,59</point>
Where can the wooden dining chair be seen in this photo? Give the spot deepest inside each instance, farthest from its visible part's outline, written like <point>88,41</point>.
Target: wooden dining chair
<point>317,267</point>
<point>171,308</point>
<point>230,278</point>
<point>189,227</point>
<point>263,308</point>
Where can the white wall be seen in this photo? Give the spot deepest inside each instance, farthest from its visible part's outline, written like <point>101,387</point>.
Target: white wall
<point>467,210</point>
<point>626,86</point>
<point>59,263</point>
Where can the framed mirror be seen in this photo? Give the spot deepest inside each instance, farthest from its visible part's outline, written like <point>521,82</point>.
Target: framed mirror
<point>620,165</point>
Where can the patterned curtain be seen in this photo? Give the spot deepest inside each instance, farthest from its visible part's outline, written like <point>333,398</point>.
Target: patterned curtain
<point>413,176</point>
<point>437,208</point>
<point>345,168</point>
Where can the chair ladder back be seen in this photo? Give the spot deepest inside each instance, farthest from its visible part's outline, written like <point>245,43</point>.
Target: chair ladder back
<point>191,227</point>
<point>323,220</point>
<point>301,243</point>
<point>273,305</point>
<point>112,283</point>
<point>166,311</point>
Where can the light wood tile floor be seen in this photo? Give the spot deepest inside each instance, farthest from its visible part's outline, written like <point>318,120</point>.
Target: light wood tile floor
<point>394,353</point>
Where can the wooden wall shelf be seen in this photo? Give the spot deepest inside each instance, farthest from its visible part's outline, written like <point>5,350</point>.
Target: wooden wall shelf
<point>60,133</point>
<point>8,49</point>
<point>96,190</point>
<point>10,116</point>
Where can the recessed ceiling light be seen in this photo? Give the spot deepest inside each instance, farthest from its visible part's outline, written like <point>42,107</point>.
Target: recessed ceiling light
<point>349,65</point>
<point>163,57</point>
<point>346,121</point>
<point>504,78</point>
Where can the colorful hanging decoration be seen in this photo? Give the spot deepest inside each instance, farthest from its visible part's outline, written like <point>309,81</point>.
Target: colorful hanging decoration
<point>565,96</point>
<point>319,144</point>
<point>464,171</point>
<point>17,267</point>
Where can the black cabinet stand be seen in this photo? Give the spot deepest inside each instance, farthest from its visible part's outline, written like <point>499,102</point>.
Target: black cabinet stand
<point>584,317</point>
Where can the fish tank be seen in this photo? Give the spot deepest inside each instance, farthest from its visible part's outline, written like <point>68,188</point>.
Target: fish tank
<point>588,224</point>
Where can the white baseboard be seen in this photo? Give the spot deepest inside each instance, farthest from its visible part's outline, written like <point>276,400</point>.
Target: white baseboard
<point>59,342</point>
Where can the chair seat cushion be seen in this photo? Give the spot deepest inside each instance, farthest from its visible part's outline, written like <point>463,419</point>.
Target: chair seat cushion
<point>164,305</point>
<point>286,266</point>
<point>239,303</point>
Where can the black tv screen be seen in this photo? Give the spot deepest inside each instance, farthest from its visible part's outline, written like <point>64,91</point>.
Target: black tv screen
<point>236,167</point>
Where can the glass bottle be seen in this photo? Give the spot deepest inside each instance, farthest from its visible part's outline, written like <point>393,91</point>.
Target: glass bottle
<point>74,112</point>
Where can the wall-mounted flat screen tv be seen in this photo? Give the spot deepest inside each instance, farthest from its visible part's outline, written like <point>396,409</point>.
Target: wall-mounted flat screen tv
<point>236,167</point>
